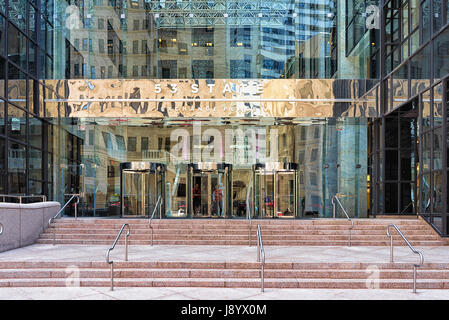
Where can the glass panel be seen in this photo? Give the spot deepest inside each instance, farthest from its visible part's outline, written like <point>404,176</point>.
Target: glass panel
<point>241,185</point>
<point>34,187</point>
<point>133,193</point>
<point>438,223</point>
<point>2,36</point>
<point>425,21</point>
<point>438,105</point>
<point>16,123</point>
<point>2,116</point>
<point>201,194</point>
<point>426,112</point>
<point>176,188</point>
<point>17,13</point>
<point>420,70</point>
<point>441,55</point>
<point>414,42</point>
<point>35,132</point>
<point>438,140</point>
<point>426,141</point>
<point>400,86</point>
<point>2,166</point>
<point>285,194</point>
<point>218,194</point>
<point>35,164</point>
<point>438,192</point>
<point>426,193</point>
<point>414,13</point>
<point>405,20</point>
<point>16,168</point>
<point>437,15</point>
<point>391,198</point>
<point>407,198</point>
<point>391,132</point>
<point>391,165</point>
<point>264,195</point>
<point>17,47</point>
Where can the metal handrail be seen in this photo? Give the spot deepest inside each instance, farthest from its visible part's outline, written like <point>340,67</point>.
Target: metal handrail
<point>1,228</point>
<point>346,214</point>
<point>159,201</point>
<point>261,253</point>
<point>111,263</point>
<point>60,211</point>
<point>44,198</point>
<point>249,213</point>
<point>421,257</point>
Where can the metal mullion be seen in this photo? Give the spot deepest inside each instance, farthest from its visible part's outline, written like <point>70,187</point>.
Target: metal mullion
<point>444,166</point>
<point>431,131</point>
<point>399,163</point>
<point>420,136</point>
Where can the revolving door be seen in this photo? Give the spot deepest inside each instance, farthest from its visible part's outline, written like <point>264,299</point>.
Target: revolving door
<point>275,190</point>
<point>209,189</point>
<point>141,185</point>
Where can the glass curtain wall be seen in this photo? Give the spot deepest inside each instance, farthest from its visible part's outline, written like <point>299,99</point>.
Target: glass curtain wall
<point>415,76</point>
<point>26,57</point>
<point>178,39</point>
<point>330,155</point>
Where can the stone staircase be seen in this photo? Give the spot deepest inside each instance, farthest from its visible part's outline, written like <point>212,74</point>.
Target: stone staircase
<point>278,232</point>
<point>222,274</point>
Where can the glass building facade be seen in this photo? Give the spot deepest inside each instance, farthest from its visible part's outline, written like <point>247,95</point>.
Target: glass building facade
<point>227,108</point>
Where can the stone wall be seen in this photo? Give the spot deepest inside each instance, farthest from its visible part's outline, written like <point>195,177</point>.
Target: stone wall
<point>23,223</point>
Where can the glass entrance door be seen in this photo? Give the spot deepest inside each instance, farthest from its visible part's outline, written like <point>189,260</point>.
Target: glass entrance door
<point>141,187</point>
<point>275,190</point>
<point>264,194</point>
<point>136,197</point>
<point>286,200</point>
<point>209,189</point>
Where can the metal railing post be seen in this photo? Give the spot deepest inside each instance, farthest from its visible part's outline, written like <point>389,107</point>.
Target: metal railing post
<point>391,250</point>
<point>111,263</point>
<point>261,258</point>
<point>126,248</point>
<point>112,276</point>
<point>414,278</point>
<point>250,228</point>
<point>76,208</point>
<point>334,210</point>
<point>421,257</point>
<point>159,202</point>
<point>258,251</point>
<point>1,228</point>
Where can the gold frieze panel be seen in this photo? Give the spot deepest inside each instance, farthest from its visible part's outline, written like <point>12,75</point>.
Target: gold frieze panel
<point>210,98</point>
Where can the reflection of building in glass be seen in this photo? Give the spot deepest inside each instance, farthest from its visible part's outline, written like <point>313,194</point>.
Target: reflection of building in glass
<point>318,102</point>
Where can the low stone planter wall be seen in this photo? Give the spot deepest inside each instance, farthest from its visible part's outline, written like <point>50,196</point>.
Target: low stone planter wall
<point>23,223</point>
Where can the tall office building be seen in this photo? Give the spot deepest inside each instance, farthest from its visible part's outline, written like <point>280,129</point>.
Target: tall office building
<point>227,108</point>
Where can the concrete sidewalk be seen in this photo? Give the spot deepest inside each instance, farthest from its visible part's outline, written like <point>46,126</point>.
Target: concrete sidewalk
<point>216,294</point>
<point>41,252</point>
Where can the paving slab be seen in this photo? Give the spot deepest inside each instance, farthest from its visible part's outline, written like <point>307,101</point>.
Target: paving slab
<point>216,294</point>
<point>79,253</point>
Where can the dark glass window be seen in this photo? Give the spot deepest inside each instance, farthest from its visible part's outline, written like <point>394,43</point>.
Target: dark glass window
<point>240,37</point>
<point>132,141</point>
<point>16,46</point>
<point>144,144</point>
<point>16,123</point>
<point>16,168</point>
<point>441,55</point>
<point>35,132</point>
<point>425,21</point>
